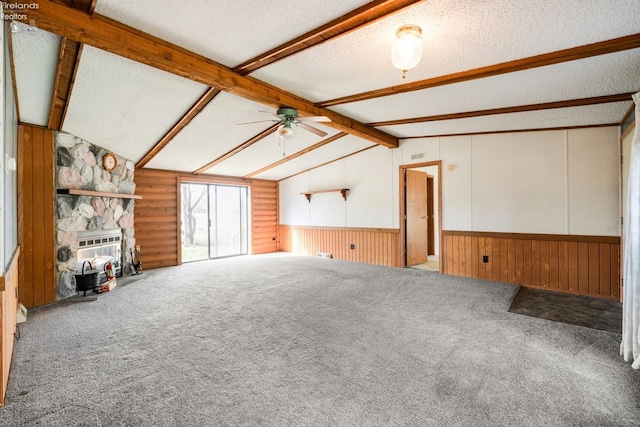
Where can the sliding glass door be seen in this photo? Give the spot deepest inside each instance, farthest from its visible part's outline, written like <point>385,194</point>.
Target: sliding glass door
<point>214,221</point>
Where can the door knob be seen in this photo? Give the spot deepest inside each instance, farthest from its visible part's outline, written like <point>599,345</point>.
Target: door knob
<point>423,217</point>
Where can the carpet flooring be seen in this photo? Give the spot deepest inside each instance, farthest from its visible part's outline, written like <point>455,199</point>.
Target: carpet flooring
<point>287,340</point>
<point>578,310</point>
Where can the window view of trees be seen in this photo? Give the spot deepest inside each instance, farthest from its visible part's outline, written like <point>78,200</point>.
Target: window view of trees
<point>192,195</point>
<point>214,221</point>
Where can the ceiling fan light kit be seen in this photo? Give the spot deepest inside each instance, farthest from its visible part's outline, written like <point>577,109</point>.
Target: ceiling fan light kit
<point>286,131</point>
<point>407,50</point>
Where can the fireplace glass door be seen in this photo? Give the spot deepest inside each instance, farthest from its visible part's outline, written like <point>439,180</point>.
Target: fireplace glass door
<point>214,221</point>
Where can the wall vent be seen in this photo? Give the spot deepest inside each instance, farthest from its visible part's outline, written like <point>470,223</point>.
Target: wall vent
<point>418,156</point>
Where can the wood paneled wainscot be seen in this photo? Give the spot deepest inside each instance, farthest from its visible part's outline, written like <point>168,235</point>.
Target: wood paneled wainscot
<point>584,265</point>
<point>9,308</point>
<point>370,245</point>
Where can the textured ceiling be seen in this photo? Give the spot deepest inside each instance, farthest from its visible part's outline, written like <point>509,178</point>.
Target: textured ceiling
<point>230,32</point>
<point>35,57</point>
<point>128,107</point>
<point>544,119</point>
<point>458,35</point>
<point>125,106</point>
<point>597,76</point>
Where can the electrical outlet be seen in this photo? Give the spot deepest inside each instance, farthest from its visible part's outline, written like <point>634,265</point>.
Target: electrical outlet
<point>485,258</point>
<point>352,246</point>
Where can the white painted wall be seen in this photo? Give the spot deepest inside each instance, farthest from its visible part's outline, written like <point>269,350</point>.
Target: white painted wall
<point>547,182</point>
<point>518,183</point>
<point>369,201</point>
<point>593,190</point>
<point>456,184</point>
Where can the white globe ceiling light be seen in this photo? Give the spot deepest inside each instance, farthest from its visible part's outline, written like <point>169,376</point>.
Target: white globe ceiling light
<point>407,50</point>
<point>286,131</point>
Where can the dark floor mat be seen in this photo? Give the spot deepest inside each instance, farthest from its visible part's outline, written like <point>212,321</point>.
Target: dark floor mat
<point>578,310</point>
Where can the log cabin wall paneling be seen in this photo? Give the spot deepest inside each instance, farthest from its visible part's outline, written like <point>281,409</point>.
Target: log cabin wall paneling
<point>264,217</point>
<point>584,265</point>
<point>371,245</point>
<point>158,214</point>
<point>156,218</point>
<point>36,216</point>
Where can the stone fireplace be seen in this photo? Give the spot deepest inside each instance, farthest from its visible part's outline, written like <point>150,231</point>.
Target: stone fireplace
<point>103,206</point>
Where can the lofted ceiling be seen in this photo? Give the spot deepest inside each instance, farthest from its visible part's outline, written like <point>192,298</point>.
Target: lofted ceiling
<point>167,84</point>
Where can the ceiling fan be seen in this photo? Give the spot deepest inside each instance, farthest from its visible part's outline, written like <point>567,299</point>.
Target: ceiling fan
<point>288,117</point>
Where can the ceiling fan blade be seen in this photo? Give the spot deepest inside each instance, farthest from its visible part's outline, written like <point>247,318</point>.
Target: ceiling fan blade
<point>312,129</point>
<point>259,121</point>
<point>269,113</point>
<point>314,119</point>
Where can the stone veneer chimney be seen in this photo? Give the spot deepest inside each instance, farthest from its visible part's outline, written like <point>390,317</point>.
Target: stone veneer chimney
<point>79,166</point>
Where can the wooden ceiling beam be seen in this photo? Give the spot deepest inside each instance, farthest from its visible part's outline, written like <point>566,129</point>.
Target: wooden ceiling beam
<point>516,109</point>
<point>490,132</point>
<point>557,57</point>
<point>238,149</point>
<point>13,72</point>
<point>68,59</point>
<point>358,18</point>
<point>140,47</point>
<point>204,100</point>
<point>298,154</point>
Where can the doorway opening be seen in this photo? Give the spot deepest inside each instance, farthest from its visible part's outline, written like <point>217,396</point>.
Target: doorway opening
<point>214,221</point>
<point>421,215</point>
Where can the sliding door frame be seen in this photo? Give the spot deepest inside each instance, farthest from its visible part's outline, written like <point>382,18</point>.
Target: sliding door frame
<point>246,244</point>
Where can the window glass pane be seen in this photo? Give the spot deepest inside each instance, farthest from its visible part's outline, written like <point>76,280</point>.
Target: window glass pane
<point>195,222</point>
<point>228,221</point>
<point>214,221</point>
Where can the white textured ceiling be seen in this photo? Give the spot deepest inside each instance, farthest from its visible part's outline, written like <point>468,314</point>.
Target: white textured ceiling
<point>128,107</point>
<point>601,75</point>
<point>218,130</point>
<point>334,150</point>
<point>560,117</point>
<point>229,32</point>
<point>35,59</point>
<point>458,35</point>
<point>125,106</point>
<point>268,151</point>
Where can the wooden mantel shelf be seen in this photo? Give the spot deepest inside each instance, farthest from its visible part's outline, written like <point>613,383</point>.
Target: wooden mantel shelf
<point>342,191</point>
<point>97,193</point>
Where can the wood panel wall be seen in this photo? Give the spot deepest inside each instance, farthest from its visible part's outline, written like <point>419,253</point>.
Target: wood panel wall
<point>157,215</point>
<point>157,218</point>
<point>372,245</point>
<point>584,265</point>
<point>264,217</point>
<point>36,216</point>
<point>8,310</point>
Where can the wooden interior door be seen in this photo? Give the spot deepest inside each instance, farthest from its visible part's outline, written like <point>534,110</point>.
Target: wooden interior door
<point>416,213</point>
<point>431,242</point>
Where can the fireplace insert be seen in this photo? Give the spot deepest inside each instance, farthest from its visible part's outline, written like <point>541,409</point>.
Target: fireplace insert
<point>99,247</point>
